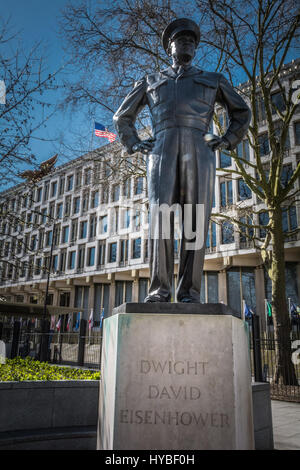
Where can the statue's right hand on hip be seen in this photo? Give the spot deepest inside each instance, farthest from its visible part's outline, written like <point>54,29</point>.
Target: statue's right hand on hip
<point>144,146</point>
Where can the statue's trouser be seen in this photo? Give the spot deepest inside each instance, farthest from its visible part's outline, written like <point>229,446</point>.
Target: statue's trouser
<point>181,170</point>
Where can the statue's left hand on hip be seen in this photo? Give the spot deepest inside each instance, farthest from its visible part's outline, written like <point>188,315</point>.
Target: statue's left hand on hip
<point>215,142</point>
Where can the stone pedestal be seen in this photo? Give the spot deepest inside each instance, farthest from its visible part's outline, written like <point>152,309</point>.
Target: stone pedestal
<point>175,380</point>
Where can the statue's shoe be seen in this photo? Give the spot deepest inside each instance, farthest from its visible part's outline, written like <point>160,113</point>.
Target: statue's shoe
<point>186,300</point>
<point>155,298</point>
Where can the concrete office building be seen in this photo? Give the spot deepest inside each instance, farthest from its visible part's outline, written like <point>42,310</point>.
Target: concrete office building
<point>100,257</point>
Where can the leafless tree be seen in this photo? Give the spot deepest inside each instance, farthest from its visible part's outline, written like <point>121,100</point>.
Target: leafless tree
<point>24,80</point>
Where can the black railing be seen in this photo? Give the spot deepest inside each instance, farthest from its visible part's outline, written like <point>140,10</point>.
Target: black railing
<point>268,355</point>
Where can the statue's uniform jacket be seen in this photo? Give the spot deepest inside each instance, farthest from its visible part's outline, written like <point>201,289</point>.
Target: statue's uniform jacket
<point>181,166</point>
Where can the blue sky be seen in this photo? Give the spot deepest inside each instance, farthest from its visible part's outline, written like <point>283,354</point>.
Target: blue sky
<point>37,20</point>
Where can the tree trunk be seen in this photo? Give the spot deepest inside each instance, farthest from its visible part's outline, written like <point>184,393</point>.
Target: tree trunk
<point>285,371</point>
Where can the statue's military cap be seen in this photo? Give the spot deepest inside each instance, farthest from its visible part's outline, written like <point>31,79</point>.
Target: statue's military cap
<point>178,26</point>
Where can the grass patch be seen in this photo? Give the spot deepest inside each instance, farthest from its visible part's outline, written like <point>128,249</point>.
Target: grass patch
<point>18,370</point>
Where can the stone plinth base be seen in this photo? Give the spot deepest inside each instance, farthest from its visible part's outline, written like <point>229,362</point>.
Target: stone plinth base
<point>175,381</point>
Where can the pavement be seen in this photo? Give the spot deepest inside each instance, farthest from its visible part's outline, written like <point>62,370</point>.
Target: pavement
<point>286,425</point>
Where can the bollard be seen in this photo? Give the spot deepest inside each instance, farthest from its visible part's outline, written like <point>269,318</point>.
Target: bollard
<point>81,343</point>
<point>256,349</point>
<point>15,339</point>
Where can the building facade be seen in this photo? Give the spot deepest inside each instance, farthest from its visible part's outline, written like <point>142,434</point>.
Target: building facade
<point>90,228</point>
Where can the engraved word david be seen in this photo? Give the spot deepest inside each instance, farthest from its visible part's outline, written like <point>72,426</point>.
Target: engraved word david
<point>180,156</point>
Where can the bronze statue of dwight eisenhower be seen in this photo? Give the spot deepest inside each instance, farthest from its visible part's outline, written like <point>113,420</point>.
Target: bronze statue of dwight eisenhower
<point>181,162</point>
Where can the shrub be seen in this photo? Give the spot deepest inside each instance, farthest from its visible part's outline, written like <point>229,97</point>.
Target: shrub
<point>19,369</point>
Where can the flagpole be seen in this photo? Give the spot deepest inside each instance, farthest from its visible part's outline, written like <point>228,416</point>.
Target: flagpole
<point>266,314</point>
<point>243,309</point>
<point>290,314</point>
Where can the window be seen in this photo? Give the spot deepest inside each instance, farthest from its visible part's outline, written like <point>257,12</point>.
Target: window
<point>74,228</point>
<point>39,194</point>
<point>70,180</point>
<point>126,188</point>
<point>260,108</point>
<point>116,192</point>
<point>72,258</point>
<point>277,100</point>
<point>56,235</point>
<point>53,188</point>
<point>83,229</point>
<point>246,231</point>
<point>137,221</point>
<point>242,150</point>
<point>225,160</point>
<point>227,233</point>
<point>33,244</point>
<point>244,190</point>
<point>105,195</point>
<point>124,251</point>
<point>85,202</point>
<point>212,285</point>
<point>38,263</point>
<point>67,205</point>
<point>211,240</point>
<point>123,292</point>
<point>95,199</point>
<point>44,216</point>
<point>59,211</point>
<point>112,252</point>
<point>241,286</point>
<point>54,262</point>
<point>61,186</point>
<point>297,132</point>
<point>263,142</point>
<point>103,224</point>
<point>139,183</point>
<point>286,173</point>
<point>126,218</point>
<point>289,219</point>
<point>87,176</point>
<point>48,238</point>
<point>62,263</point>
<point>226,193</point>
<point>263,220</point>
<point>93,226</point>
<point>46,191</point>
<point>91,256</point>
<point>76,205</point>
<point>101,253</point>
<point>65,234</point>
<point>143,289</point>
<point>136,248</point>
<point>78,179</point>
<point>81,254</point>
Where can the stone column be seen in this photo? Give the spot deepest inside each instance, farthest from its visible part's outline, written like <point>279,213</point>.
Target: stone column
<point>222,282</point>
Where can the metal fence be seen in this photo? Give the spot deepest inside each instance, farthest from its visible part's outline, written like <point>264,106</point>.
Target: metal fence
<point>264,353</point>
<point>83,348</point>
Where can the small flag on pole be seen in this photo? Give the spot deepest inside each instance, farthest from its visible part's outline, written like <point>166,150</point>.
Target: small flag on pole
<point>101,317</point>
<point>247,311</point>
<point>58,324</point>
<point>69,323</point>
<point>52,324</point>
<point>101,131</point>
<point>91,320</point>
<point>77,324</point>
<point>293,309</point>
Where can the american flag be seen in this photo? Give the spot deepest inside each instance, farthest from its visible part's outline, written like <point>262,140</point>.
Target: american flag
<point>101,131</point>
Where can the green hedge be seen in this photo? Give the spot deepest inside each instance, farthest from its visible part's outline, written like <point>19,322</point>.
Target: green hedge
<point>19,369</point>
